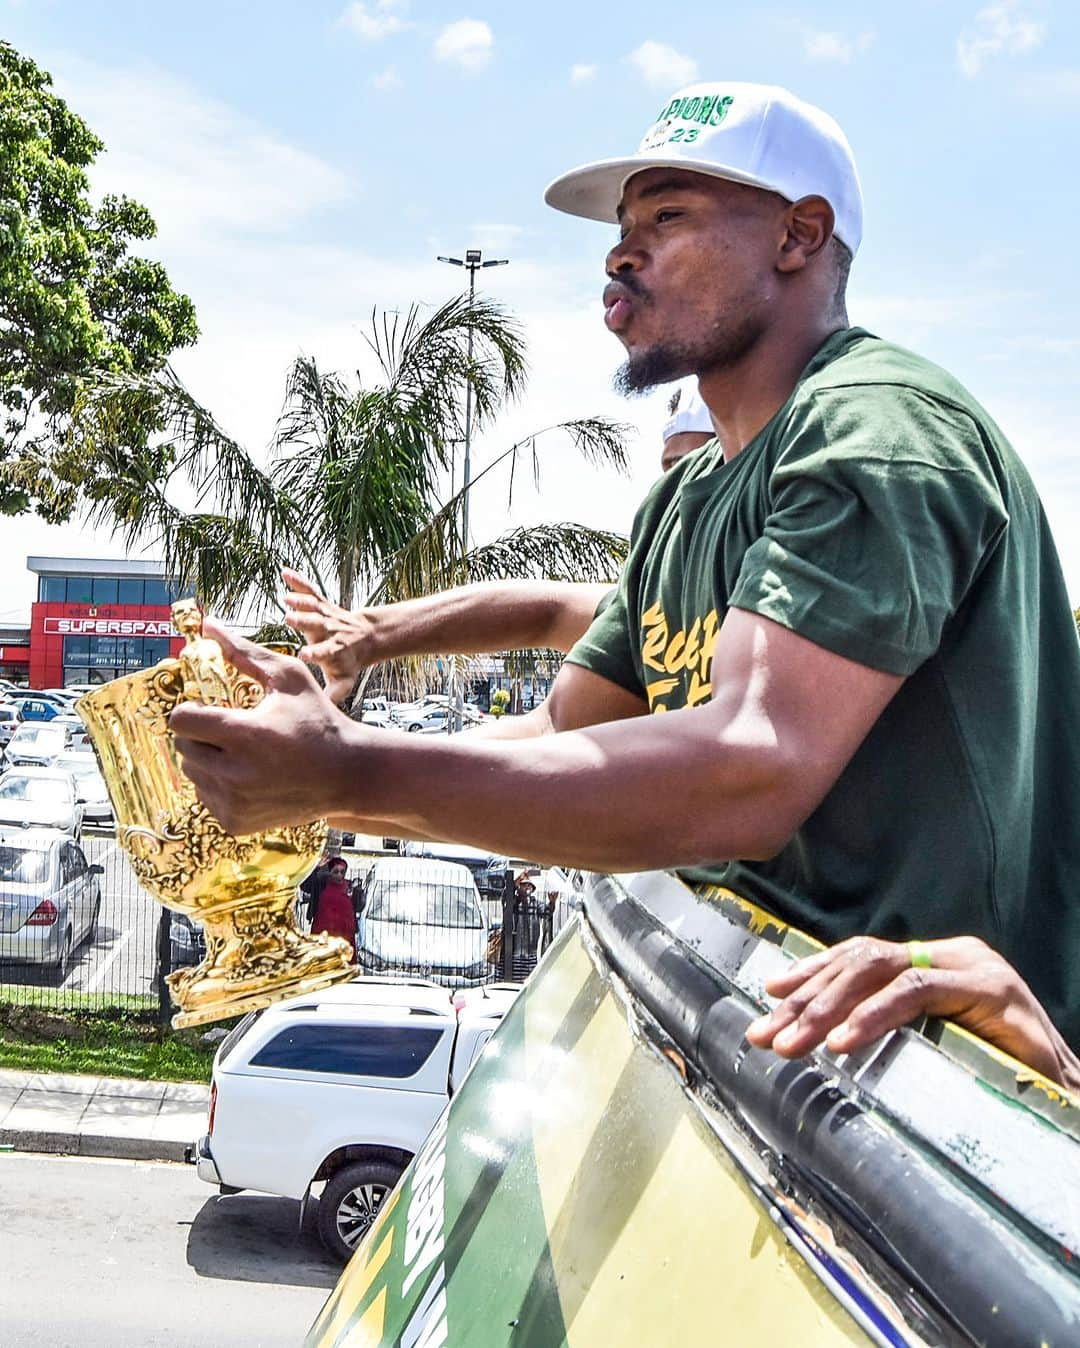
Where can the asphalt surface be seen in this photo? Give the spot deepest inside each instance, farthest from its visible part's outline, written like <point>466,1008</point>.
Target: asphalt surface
<point>122,1254</point>
<point>120,959</point>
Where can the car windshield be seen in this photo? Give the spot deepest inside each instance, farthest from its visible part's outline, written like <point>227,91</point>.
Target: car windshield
<point>76,765</point>
<point>39,734</point>
<point>21,866</point>
<point>39,790</point>
<point>425,905</point>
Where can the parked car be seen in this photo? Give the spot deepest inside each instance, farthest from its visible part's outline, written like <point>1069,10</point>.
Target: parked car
<point>423,917</point>
<point>187,941</point>
<point>77,734</point>
<point>340,1087</point>
<point>37,708</point>
<point>10,720</point>
<point>380,720</point>
<point>488,868</point>
<point>41,798</point>
<point>36,744</point>
<point>90,789</point>
<point>378,707</point>
<point>563,887</point>
<point>436,720</point>
<point>561,892</point>
<point>50,897</point>
<point>423,706</point>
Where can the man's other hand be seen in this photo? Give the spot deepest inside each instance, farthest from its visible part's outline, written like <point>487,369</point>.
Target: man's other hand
<point>282,762</point>
<point>854,992</point>
<point>339,642</point>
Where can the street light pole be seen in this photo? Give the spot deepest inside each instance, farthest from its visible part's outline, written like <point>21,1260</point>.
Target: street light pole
<point>473,261</point>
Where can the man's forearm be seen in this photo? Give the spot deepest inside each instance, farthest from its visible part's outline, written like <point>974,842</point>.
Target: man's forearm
<point>630,795</point>
<point>493,616</point>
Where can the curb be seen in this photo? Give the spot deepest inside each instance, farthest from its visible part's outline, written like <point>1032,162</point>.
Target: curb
<point>92,1144</point>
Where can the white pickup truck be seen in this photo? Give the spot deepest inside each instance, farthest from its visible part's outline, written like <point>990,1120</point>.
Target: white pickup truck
<point>342,1087</point>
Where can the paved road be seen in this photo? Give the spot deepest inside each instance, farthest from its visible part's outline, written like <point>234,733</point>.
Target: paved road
<point>121,1254</point>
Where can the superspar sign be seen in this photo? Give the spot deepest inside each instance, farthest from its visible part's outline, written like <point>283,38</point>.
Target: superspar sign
<point>109,627</point>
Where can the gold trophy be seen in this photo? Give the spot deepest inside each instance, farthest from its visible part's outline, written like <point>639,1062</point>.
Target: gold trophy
<point>242,889</point>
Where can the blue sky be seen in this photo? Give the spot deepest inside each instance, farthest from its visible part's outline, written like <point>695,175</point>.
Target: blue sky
<point>306,162</point>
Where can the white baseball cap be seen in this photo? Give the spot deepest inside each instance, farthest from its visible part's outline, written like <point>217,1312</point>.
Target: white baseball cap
<point>690,416</point>
<point>749,133</point>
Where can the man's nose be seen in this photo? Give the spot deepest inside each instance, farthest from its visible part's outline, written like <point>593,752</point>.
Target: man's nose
<point>625,256</point>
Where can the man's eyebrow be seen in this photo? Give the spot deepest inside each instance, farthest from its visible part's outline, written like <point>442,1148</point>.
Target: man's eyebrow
<point>658,188</point>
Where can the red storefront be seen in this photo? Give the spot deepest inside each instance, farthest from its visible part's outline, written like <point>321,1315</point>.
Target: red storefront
<point>96,620</point>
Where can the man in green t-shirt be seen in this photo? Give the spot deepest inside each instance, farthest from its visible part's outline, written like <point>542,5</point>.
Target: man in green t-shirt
<point>848,610</point>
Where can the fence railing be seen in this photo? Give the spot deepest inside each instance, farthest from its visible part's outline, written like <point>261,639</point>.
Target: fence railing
<point>113,946</point>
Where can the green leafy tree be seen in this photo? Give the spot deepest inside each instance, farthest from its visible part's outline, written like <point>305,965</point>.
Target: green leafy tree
<point>73,301</point>
<point>352,488</point>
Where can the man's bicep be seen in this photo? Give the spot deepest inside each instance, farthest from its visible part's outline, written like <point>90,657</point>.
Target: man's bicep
<point>580,698</point>
<point>574,613</point>
<point>808,707</point>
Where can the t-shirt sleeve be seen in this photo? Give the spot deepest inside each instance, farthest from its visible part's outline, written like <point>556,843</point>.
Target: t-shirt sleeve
<point>882,511</point>
<point>606,648</point>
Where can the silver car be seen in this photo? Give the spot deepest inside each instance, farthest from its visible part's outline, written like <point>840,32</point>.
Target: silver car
<point>90,789</point>
<point>9,722</point>
<point>50,898</point>
<point>40,798</point>
<point>36,744</point>
<point>423,917</point>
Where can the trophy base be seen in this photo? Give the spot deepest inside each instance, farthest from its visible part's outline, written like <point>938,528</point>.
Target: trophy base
<point>241,1005</point>
<point>255,956</point>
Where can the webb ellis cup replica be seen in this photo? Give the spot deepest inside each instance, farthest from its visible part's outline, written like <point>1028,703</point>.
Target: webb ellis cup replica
<point>242,889</point>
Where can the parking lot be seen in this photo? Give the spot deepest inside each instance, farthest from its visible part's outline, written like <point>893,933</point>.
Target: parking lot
<point>119,961</point>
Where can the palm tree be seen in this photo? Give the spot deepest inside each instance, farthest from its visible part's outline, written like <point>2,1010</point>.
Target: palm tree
<point>352,488</point>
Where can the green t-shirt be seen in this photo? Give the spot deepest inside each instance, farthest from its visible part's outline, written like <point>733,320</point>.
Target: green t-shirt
<point>882,515</point>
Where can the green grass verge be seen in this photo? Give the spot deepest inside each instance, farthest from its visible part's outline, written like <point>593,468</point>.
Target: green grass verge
<point>64,1000</point>
<point>101,1043</point>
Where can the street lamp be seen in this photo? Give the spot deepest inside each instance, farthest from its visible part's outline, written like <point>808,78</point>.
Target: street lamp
<point>473,261</point>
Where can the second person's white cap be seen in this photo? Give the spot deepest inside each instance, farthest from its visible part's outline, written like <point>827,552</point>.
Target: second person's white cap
<point>757,134</point>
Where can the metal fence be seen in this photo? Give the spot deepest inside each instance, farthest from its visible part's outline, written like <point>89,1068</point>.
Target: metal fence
<point>115,948</point>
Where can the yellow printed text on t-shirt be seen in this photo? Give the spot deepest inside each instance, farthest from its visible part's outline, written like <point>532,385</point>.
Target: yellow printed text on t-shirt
<point>683,659</point>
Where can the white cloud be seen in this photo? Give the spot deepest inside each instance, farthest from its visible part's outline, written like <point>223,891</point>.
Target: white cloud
<point>373,23</point>
<point>836,48</point>
<point>662,66</point>
<point>1001,29</point>
<point>582,74</point>
<point>200,167</point>
<point>386,79</point>
<point>468,43</point>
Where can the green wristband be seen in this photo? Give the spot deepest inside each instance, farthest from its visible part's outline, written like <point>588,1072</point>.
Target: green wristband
<point>920,955</point>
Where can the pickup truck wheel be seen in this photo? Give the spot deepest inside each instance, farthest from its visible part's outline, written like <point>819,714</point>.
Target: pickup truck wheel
<point>351,1202</point>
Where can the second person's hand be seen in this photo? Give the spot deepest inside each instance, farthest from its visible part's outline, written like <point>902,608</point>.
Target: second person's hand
<point>339,642</point>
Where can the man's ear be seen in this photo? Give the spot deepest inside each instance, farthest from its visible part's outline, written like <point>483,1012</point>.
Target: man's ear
<point>810,225</point>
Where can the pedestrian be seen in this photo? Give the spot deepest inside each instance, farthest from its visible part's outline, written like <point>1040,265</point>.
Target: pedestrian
<point>335,914</point>
<point>312,886</point>
<point>847,607</point>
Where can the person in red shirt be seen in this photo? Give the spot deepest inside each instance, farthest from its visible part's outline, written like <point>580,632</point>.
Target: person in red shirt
<point>334,913</point>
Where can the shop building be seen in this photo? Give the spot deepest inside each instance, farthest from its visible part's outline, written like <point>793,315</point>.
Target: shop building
<point>93,621</point>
